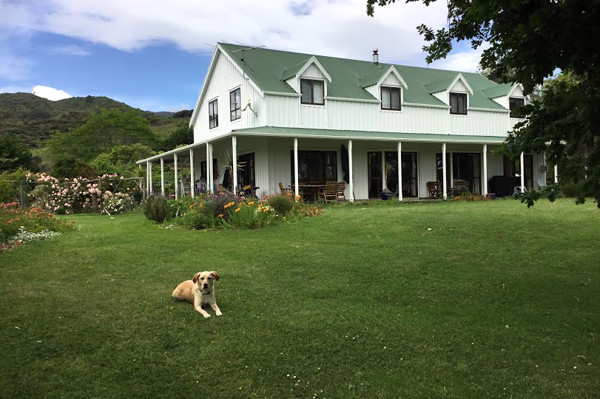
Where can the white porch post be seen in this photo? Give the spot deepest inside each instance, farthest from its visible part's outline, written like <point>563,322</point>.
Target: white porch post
<point>192,185</point>
<point>522,166</point>
<point>400,171</point>
<point>234,161</point>
<point>485,179</point>
<point>207,168</point>
<point>556,174</point>
<point>350,171</point>
<point>211,176</point>
<point>444,182</point>
<point>296,188</point>
<point>176,182</point>
<point>162,177</point>
<point>149,177</point>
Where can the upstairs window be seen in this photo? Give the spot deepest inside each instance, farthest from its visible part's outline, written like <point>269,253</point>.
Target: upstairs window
<point>458,103</point>
<point>313,91</point>
<point>390,98</point>
<point>213,114</point>
<point>235,104</point>
<point>515,105</point>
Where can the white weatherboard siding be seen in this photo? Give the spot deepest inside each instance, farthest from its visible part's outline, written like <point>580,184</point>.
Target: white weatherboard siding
<point>287,111</point>
<point>225,78</point>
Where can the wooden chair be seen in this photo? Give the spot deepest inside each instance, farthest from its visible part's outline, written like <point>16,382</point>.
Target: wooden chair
<point>434,189</point>
<point>329,192</point>
<point>341,191</point>
<point>285,191</point>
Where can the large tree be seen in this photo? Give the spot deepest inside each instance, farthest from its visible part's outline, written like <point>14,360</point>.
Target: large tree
<point>526,41</point>
<point>102,132</point>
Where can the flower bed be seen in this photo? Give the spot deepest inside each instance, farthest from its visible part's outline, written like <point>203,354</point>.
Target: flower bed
<point>227,210</point>
<point>19,225</point>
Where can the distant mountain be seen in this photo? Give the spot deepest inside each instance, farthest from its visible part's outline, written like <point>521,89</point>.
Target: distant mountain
<point>35,119</point>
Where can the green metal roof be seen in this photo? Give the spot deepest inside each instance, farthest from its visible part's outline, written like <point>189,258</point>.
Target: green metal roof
<point>498,90</point>
<point>367,135</point>
<point>268,69</point>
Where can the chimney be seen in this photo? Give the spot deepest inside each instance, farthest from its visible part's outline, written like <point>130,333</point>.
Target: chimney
<point>375,56</point>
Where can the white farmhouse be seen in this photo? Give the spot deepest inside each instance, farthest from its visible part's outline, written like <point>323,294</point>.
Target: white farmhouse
<point>302,120</point>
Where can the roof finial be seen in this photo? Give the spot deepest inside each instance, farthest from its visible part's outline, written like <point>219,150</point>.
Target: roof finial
<point>375,56</point>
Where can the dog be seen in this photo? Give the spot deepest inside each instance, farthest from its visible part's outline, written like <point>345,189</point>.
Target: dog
<point>199,291</point>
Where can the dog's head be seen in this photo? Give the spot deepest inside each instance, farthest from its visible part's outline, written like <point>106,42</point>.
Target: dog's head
<point>205,280</point>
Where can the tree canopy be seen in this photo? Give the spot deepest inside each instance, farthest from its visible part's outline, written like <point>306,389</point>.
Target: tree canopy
<point>102,132</point>
<point>15,154</point>
<point>526,42</point>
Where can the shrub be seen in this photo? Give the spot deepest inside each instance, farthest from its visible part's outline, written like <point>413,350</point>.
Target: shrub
<point>116,203</point>
<point>282,204</point>
<point>156,208</point>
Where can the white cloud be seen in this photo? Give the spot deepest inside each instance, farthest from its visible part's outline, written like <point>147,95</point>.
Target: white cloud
<point>467,61</point>
<point>50,93</point>
<point>336,27</point>
<point>71,49</point>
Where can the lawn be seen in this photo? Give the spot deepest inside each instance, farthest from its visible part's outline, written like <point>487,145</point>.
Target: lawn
<point>424,300</point>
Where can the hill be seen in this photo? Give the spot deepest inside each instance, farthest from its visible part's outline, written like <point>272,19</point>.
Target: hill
<point>35,119</point>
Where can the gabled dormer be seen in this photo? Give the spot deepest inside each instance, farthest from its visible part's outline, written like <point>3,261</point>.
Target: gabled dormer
<point>309,79</point>
<point>388,86</point>
<point>453,91</point>
<point>509,95</point>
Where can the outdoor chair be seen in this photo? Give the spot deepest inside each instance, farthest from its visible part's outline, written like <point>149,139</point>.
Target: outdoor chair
<point>329,192</point>
<point>435,191</point>
<point>284,191</point>
<point>341,191</point>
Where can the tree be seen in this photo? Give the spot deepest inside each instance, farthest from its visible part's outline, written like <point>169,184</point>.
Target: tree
<point>121,160</point>
<point>15,154</point>
<point>180,136</point>
<point>101,133</point>
<point>527,41</point>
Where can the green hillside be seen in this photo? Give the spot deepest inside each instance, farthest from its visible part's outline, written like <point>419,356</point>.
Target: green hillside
<point>35,119</point>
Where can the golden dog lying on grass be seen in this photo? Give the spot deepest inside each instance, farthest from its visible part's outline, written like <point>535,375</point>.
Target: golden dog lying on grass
<point>199,291</point>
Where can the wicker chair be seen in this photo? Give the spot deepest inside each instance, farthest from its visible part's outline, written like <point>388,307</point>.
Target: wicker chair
<point>341,191</point>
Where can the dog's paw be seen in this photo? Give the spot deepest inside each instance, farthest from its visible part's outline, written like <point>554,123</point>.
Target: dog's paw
<point>219,314</point>
<point>206,316</point>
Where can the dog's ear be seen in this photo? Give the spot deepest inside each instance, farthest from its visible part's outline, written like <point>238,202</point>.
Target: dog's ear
<point>215,275</point>
<point>195,278</point>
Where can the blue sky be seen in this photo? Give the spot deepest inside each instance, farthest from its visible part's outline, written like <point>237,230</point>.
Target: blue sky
<point>154,55</point>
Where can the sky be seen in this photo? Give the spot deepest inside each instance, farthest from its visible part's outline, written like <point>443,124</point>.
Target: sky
<point>154,54</point>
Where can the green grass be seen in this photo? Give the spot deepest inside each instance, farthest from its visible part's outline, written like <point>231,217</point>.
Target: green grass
<point>445,300</point>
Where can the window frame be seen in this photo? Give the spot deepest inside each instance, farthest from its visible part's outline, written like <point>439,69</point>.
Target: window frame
<point>312,83</point>
<point>235,111</point>
<point>213,113</point>
<point>514,109</point>
<point>391,90</point>
<point>458,103</point>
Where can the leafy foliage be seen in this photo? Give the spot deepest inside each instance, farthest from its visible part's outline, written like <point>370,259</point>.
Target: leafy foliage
<point>14,154</point>
<point>101,133</point>
<point>121,159</point>
<point>156,208</point>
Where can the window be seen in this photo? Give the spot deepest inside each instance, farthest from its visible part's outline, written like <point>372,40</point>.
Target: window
<point>213,114</point>
<point>458,103</point>
<point>313,91</point>
<point>515,105</point>
<point>235,104</point>
<point>390,98</point>
<point>315,167</point>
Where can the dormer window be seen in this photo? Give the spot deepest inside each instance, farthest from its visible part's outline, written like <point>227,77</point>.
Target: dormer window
<point>213,114</point>
<point>458,103</point>
<point>390,98</point>
<point>313,91</point>
<point>515,105</point>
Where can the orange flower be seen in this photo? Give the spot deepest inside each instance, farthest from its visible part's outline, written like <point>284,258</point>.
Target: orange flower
<point>238,209</point>
<point>220,215</point>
